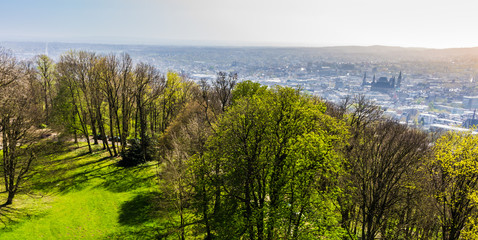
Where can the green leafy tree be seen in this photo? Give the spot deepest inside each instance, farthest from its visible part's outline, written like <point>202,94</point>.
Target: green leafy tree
<point>455,180</point>
<point>74,70</point>
<point>273,160</point>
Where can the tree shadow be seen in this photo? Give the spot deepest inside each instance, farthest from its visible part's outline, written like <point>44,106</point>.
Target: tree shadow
<point>145,232</point>
<point>145,216</point>
<point>58,179</point>
<point>128,179</point>
<point>141,209</point>
<point>11,216</point>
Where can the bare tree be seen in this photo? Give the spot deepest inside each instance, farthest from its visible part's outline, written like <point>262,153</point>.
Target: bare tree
<point>127,96</point>
<point>222,88</point>
<point>45,68</point>
<point>19,111</point>
<point>145,75</point>
<point>383,158</point>
<point>8,68</point>
<point>110,86</point>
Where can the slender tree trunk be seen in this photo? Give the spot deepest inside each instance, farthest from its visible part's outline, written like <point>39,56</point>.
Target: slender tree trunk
<point>76,136</point>
<point>118,127</point>
<point>47,110</point>
<point>181,209</point>
<point>217,201</point>
<point>103,132</point>
<point>5,156</point>
<point>249,225</point>
<point>126,120</point>
<point>85,130</point>
<point>205,214</point>
<point>112,132</point>
<point>93,129</point>
<point>136,122</point>
<point>11,195</point>
<point>85,133</point>
<point>142,125</point>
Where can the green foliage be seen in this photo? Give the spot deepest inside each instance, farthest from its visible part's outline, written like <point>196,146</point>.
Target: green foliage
<point>247,89</point>
<point>63,117</point>
<point>273,165</point>
<point>455,172</point>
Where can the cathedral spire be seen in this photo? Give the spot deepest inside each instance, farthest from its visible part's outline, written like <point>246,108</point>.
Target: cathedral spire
<point>399,80</point>
<point>364,81</point>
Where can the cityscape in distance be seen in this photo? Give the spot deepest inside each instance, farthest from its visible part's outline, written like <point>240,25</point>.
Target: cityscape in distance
<point>432,89</point>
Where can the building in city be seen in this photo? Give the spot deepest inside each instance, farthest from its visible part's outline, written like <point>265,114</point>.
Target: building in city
<point>383,84</point>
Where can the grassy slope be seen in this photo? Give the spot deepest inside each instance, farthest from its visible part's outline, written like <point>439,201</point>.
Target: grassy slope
<point>75,195</point>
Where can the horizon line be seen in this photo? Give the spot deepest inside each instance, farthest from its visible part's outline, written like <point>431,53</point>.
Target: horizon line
<point>224,44</point>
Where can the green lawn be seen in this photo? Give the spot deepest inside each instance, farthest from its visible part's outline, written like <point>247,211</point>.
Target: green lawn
<point>75,195</point>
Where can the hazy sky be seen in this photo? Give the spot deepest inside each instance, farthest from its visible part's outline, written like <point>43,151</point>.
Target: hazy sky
<point>410,23</point>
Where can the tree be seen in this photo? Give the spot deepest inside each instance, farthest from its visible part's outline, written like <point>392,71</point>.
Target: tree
<point>275,150</point>
<point>19,114</point>
<point>8,68</point>
<point>127,96</point>
<point>455,182</point>
<point>382,161</point>
<point>183,142</point>
<point>174,96</point>
<point>145,76</point>
<point>222,88</point>
<point>46,69</point>
<point>109,86</point>
<point>74,71</point>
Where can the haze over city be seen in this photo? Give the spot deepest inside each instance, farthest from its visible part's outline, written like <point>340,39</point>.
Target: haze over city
<point>408,23</point>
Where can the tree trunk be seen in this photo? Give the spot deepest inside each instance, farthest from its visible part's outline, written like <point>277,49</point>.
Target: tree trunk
<point>103,132</point>
<point>47,110</point>
<point>93,129</point>
<point>142,126</point>
<point>112,133</point>
<point>11,195</point>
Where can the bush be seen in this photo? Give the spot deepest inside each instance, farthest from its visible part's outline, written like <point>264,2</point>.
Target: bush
<point>133,156</point>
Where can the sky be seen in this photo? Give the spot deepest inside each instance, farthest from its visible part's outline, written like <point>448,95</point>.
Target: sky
<point>406,23</point>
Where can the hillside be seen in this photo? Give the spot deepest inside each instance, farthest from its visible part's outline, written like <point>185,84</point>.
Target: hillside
<point>84,196</point>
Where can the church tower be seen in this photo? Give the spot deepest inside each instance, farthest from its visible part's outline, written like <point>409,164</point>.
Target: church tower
<point>399,80</point>
<point>364,81</point>
<point>392,82</point>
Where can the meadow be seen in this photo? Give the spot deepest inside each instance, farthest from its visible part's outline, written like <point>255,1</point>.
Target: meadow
<point>75,195</point>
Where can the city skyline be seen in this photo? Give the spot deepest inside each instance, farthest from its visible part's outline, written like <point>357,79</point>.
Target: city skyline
<point>429,24</point>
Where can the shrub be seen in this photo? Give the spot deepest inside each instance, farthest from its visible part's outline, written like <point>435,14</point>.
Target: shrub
<point>134,156</point>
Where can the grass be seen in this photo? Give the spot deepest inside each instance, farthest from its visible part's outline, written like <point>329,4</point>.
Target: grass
<point>75,195</point>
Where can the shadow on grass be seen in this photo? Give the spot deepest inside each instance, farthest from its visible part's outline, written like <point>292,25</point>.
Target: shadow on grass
<point>66,167</point>
<point>50,150</point>
<point>62,181</point>
<point>145,216</point>
<point>10,217</point>
<point>146,232</point>
<point>142,208</point>
<point>74,173</point>
<point>128,179</point>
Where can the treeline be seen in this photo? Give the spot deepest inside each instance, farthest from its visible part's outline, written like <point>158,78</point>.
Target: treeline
<point>241,160</point>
